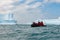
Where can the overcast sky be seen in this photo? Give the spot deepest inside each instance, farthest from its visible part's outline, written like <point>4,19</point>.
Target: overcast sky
<point>26,11</point>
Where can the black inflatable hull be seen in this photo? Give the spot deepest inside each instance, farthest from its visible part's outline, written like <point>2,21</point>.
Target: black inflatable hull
<point>37,26</point>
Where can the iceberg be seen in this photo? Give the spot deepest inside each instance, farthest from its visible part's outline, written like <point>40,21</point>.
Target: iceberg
<point>51,21</point>
<point>7,19</point>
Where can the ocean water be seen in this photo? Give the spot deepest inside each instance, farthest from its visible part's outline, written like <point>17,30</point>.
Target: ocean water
<point>26,32</point>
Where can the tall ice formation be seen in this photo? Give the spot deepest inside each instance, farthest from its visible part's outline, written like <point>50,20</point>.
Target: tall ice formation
<point>7,19</point>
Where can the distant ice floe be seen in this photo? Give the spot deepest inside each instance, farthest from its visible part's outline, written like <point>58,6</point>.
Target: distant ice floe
<point>58,17</point>
<point>50,21</point>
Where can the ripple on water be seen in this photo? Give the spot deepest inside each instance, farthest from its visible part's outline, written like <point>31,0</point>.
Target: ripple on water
<point>25,32</point>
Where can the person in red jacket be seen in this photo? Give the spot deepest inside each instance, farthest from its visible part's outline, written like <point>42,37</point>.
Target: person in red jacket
<point>40,23</point>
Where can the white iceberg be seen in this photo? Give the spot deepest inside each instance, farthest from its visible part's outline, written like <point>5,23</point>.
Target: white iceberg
<point>51,21</point>
<point>7,19</point>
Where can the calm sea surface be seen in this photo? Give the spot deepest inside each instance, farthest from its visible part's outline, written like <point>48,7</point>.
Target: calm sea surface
<point>26,32</point>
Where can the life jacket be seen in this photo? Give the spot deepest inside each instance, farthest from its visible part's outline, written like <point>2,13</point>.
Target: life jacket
<point>40,24</point>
